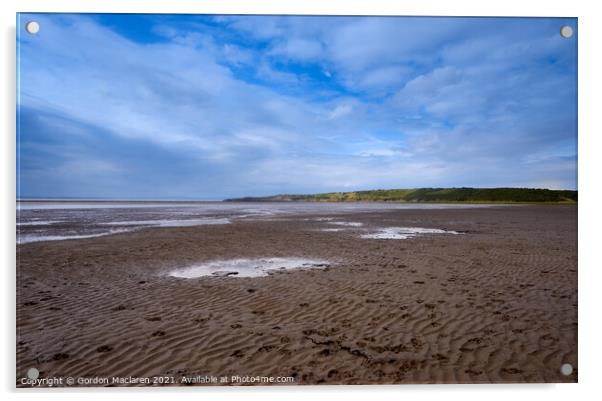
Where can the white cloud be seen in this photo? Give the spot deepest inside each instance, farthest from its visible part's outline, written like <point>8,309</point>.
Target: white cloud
<point>299,49</point>
<point>267,73</point>
<point>340,111</point>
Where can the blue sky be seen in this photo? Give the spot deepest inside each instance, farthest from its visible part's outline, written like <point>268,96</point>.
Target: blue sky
<point>210,107</point>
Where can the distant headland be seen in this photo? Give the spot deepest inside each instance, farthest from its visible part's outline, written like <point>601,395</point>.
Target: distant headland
<point>466,195</point>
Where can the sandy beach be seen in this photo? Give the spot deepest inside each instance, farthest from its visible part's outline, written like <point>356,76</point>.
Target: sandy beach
<point>496,303</point>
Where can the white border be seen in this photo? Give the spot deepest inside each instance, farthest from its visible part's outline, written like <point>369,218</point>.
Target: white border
<point>589,188</point>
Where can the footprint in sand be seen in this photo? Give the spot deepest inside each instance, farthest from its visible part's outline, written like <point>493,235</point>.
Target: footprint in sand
<point>473,372</point>
<point>512,371</point>
<point>238,354</point>
<point>60,356</point>
<point>416,343</point>
<point>266,348</point>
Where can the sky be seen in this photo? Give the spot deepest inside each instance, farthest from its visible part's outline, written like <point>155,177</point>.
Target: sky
<point>214,107</point>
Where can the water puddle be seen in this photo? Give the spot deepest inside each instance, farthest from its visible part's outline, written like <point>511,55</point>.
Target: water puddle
<point>404,232</point>
<point>26,239</point>
<point>169,223</point>
<point>247,267</point>
<point>346,223</point>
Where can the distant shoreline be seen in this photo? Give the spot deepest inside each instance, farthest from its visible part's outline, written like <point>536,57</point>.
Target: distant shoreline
<point>75,200</point>
<point>418,195</point>
<point>486,202</point>
<point>294,201</point>
<point>431,195</point>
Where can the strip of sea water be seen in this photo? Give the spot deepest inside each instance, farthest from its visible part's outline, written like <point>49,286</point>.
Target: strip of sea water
<point>64,220</point>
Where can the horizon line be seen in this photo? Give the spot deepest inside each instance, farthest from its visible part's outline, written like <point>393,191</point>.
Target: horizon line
<point>208,199</point>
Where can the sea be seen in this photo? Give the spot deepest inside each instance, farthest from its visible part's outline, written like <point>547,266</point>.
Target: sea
<point>44,220</point>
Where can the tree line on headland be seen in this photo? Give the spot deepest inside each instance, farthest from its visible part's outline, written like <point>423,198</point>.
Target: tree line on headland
<point>468,195</point>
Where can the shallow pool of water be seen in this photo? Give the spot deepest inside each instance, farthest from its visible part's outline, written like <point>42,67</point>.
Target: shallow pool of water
<point>404,232</point>
<point>247,267</point>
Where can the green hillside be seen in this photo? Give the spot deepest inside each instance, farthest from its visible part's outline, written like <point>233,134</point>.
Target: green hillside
<point>474,195</point>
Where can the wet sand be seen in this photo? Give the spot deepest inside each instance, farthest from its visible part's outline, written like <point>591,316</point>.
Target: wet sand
<point>497,304</point>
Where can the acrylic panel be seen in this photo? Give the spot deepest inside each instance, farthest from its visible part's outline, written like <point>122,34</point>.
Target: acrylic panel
<point>295,200</point>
